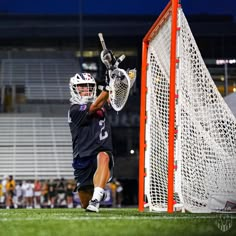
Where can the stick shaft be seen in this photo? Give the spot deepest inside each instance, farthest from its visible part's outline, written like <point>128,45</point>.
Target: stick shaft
<point>100,35</point>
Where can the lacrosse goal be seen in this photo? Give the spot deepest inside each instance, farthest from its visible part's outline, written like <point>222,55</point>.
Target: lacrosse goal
<point>187,132</point>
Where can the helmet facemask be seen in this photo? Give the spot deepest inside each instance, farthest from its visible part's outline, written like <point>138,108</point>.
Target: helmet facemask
<point>82,89</point>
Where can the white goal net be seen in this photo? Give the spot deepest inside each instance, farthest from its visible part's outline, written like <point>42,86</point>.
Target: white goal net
<point>205,141</point>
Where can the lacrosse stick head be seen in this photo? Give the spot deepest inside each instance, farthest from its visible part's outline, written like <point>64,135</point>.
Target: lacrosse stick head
<point>119,88</point>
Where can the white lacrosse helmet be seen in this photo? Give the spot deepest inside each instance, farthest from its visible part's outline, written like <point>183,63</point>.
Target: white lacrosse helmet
<point>82,79</point>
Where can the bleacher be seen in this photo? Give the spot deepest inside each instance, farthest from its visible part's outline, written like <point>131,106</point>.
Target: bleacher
<point>43,79</point>
<point>35,147</point>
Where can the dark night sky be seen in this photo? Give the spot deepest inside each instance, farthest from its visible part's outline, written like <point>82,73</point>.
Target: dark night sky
<point>127,7</point>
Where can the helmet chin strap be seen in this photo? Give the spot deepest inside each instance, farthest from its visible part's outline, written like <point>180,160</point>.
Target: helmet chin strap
<point>77,98</point>
<point>82,100</point>
<point>86,99</point>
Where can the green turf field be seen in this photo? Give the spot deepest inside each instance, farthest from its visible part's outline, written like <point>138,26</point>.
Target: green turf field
<point>124,221</point>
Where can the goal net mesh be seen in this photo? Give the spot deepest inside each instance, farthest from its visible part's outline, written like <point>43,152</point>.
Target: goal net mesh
<point>205,144</point>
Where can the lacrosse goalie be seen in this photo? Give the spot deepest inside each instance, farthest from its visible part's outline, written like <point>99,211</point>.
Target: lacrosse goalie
<point>91,140</point>
<point>91,132</point>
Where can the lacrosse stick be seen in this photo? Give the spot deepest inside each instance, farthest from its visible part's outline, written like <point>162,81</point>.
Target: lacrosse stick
<point>119,84</point>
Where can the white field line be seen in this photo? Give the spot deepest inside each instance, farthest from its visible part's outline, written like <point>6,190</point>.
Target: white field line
<point>84,218</point>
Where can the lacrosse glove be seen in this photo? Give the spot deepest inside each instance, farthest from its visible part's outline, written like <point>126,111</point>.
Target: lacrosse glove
<point>107,58</point>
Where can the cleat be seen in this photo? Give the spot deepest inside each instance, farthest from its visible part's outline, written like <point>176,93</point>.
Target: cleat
<point>93,206</point>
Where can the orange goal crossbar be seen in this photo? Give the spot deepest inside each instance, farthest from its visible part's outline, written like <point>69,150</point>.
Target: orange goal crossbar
<point>171,8</point>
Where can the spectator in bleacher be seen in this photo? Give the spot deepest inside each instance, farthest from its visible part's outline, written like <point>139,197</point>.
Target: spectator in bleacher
<point>61,192</point>
<point>37,193</point>
<point>1,195</point>
<point>52,192</point>
<point>117,192</point>
<point>91,140</point>
<point>29,194</point>
<point>24,186</point>
<point>19,195</point>
<point>4,191</point>
<point>44,193</point>
<point>10,191</point>
<point>69,194</point>
<point>112,186</point>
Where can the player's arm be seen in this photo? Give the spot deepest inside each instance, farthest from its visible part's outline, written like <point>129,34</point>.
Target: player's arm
<point>103,96</point>
<point>99,102</point>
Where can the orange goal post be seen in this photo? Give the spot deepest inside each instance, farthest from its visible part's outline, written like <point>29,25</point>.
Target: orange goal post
<point>187,132</point>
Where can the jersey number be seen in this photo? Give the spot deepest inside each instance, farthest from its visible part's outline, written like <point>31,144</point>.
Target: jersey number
<point>103,133</point>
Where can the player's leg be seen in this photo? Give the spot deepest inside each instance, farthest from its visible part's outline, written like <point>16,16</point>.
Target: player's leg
<point>84,179</point>
<point>85,196</point>
<point>102,173</point>
<point>100,179</point>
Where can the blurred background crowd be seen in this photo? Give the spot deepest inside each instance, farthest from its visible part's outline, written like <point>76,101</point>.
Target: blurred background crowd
<point>53,193</point>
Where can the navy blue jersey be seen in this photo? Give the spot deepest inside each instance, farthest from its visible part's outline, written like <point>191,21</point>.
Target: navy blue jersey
<point>91,133</point>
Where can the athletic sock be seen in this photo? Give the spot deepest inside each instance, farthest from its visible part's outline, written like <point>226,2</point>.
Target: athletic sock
<point>98,193</point>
